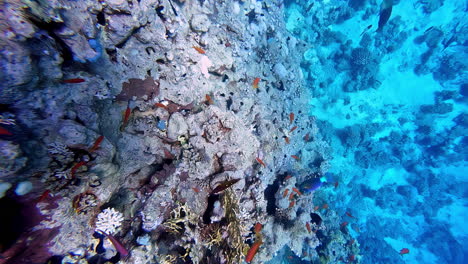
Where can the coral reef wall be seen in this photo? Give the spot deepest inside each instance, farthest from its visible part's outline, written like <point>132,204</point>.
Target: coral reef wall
<point>184,120</point>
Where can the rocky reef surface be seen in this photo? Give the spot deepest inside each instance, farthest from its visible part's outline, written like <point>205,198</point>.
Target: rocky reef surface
<point>156,131</point>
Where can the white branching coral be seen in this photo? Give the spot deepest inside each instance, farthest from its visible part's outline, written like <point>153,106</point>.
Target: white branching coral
<point>109,220</point>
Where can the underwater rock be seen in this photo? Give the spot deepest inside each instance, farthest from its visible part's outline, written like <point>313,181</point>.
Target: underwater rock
<point>177,126</point>
<point>200,23</point>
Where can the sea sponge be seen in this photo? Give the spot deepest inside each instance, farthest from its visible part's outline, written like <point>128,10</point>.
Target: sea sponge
<point>108,221</point>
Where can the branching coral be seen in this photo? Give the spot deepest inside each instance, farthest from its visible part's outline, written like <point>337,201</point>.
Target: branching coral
<point>179,216</point>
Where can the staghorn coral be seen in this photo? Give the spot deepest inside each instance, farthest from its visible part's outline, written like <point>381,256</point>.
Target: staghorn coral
<point>108,221</point>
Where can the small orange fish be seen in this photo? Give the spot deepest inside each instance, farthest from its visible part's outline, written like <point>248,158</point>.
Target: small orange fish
<point>316,207</point>
<point>307,137</point>
<point>288,177</point>
<point>209,101</point>
<point>292,203</point>
<point>75,80</point>
<point>43,196</point>
<point>286,139</point>
<point>344,224</point>
<point>257,228</point>
<point>325,206</point>
<point>292,129</point>
<point>127,113</point>
<point>308,227</point>
<point>167,154</point>
<point>336,185</point>
<point>295,157</point>
<point>404,251</point>
<point>291,118</point>
<point>261,162</point>
<point>75,168</point>
<point>200,50</point>
<point>96,145</point>
<point>350,215</point>
<point>351,258</point>
<point>5,132</point>
<point>255,83</point>
<point>291,196</point>
<point>195,189</point>
<point>252,251</point>
<point>160,105</point>
<point>285,193</point>
<point>296,191</point>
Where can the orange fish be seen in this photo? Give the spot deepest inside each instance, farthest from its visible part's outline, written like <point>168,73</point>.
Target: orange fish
<point>43,196</point>
<point>297,191</point>
<point>285,193</point>
<point>291,196</point>
<point>255,83</point>
<point>350,215</point>
<point>200,50</point>
<point>295,157</point>
<point>75,168</point>
<point>160,105</point>
<point>261,162</point>
<point>316,207</point>
<point>336,185</point>
<point>96,144</point>
<point>252,251</point>
<point>128,111</point>
<point>307,137</point>
<point>308,227</point>
<point>195,189</point>
<point>286,139</point>
<point>288,177</point>
<point>75,80</point>
<point>291,118</point>
<point>257,228</point>
<point>404,251</point>
<point>325,206</point>
<point>344,224</point>
<point>5,132</point>
<point>351,258</point>
<point>167,154</point>
<point>292,129</point>
<point>209,101</point>
<point>292,203</point>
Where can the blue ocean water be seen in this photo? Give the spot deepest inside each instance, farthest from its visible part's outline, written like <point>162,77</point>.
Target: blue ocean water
<point>390,97</point>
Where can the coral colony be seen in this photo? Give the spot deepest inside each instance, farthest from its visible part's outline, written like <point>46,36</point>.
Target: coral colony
<point>230,132</point>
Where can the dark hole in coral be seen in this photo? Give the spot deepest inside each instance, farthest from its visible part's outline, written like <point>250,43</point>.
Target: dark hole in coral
<point>112,53</point>
<point>12,223</point>
<point>209,209</point>
<point>269,195</point>
<point>229,103</point>
<point>159,10</point>
<point>101,18</point>
<point>315,218</point>
<point>225,78</point>
<point>150,50</point>
<point>160,61</point>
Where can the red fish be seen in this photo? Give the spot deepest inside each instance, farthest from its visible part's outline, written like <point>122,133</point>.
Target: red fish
<point>351,242</point>
<point>195,189</point>
<point>200,50</point>
<point>5,132</point>
<point>261,162</point>
<point>75,80</point>
<point>296,191</point>
<point>167,154</point>
<point>351,258</point>
<point>288,177</point>
<point>209,101</point>
<point>252,251</point>
<point>344,224</point>
<point>257,228</point>
<point>128,111</point>
<point>97,143</point>
<point>295,157</point>
<point>286,139</point>
<point>308,227</point>
<point>118,246</point>
<point>291,118</point>
<point>255,83</point>
<point>291,196</point>
<point>350,215</point>
<point>336,185</point>
<point>325,206</point>
<point>307,137</point>
<point>292,129</point>
<point>404,251</point>
<point>316,207</point>
<point>292,203</point>
<point>285,193</point>
<point>43,196</point>
<point>160,105</point>
<point>75,168</point>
